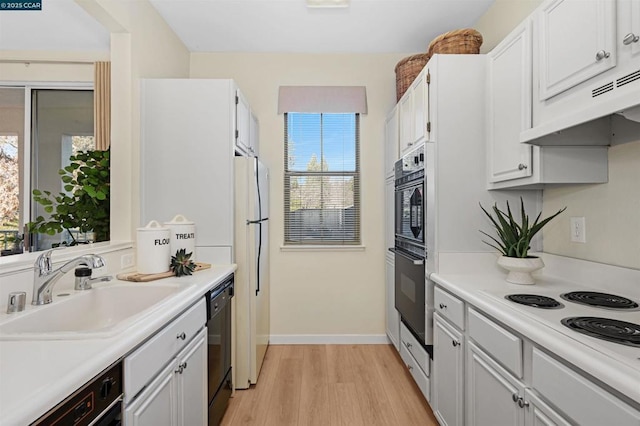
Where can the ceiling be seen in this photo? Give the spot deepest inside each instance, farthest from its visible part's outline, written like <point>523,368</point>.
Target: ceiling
<point>365,26</point>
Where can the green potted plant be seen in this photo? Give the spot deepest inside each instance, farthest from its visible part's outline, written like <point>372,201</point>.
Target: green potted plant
<point>85,205</point>
<point>514,241</point>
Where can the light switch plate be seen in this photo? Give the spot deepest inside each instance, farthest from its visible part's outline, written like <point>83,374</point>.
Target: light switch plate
<point>578,230</point>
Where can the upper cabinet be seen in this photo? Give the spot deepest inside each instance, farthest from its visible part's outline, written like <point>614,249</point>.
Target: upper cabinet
<point>586,68</point>
<point>509,106</point>
<point>391,142</point>
<point>246,127</point>
<point>414,122</point>
<point>577,42</point>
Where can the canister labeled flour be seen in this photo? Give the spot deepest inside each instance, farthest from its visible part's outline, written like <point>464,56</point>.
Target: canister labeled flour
<point>183,235</point>
<point>153,248</point>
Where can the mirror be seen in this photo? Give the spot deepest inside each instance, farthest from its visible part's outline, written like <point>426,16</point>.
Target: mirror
<point>45,82</point>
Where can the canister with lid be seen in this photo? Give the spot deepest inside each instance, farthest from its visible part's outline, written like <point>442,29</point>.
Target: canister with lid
<point>153,248</point>
<point>183,235</point>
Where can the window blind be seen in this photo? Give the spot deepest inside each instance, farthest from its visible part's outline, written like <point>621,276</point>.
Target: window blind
<point>322,178</point>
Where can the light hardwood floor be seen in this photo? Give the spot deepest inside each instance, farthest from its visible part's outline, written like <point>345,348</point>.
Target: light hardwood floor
<point>331,385</point>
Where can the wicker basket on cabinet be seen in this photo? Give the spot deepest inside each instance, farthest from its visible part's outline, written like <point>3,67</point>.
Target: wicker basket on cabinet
<point>407,70</point>
<point>462,41</point>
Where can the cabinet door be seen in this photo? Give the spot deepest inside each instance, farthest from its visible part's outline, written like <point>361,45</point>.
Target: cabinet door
<point>406,121</point>
<point>538,413</point>
<point>389,215</point>
<point>635,29</point>
<point>243,124</point>
<point>447,373</point>
<point>420,108</point>
<point>577,42</point>
<point>509,106</point>
<point>157,404</point>
<point>191,382</point>
<point>254,135</point>
<point>391,143</point>
<point>393,317</point>
<point>493,395</point>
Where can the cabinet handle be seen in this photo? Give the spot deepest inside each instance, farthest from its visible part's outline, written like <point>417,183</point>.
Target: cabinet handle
<point>455,343</point>
<point>515,397</point>
<point>601,54</point>
<point>408,345</point>
<point>522,403</point>
<point>181,368</point>
<point>522,166</point>
<point>409,367</point>
<point>443,306</point>
<point>630,38</point>
<point>181,336</point>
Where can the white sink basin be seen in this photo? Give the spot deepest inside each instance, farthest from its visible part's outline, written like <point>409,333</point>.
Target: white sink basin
<point>99,312</point>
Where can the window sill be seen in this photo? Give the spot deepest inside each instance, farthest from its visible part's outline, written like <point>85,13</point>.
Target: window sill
<point>317,248</point>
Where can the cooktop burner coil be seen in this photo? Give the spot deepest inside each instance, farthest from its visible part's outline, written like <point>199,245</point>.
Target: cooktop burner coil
<point>616,331</point>
<point>602,300</point>
<point>535,301</point>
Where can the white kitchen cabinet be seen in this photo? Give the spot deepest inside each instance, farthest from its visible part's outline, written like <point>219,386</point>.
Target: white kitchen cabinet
<point>405,109</point>
<point>447,375</point>
<point>391,142</point>
<point>512,164</point>
<point>254,135</point>
<point>631,36</point>
<point>577,42</point>
<point>539,413</point>
<point>492,394</point>
<point>392,315</point>
<point>509,105</point>
<point>243,124</point>
<point>178,395</point>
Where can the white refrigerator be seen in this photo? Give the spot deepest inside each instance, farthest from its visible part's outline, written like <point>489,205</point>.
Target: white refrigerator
<point>251,250</point>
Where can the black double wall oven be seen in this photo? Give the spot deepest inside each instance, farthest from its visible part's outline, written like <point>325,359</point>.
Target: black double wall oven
<point>409,249</point>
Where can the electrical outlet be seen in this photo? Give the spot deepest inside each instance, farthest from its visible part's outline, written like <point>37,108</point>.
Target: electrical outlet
<point>126,261</point>
<point>578,230</point>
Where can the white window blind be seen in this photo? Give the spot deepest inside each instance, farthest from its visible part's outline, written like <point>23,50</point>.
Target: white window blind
<point>322,179</point>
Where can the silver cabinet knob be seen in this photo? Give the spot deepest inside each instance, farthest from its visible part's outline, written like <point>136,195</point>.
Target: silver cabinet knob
<point>522,166</point>
<point>630,38</point>
<point>181,336</point>
<point>522,403</point>
<point>443,306</point>
<point>515,397</point>
<point>455,343</point>
<point>408,345</point>
<point>601,54</point>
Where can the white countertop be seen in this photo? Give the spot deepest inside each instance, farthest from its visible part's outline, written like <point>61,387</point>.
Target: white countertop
<point>618,366</point>
<point>36,375</point>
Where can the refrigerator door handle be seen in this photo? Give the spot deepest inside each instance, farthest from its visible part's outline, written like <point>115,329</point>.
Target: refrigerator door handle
<point>253,222</point>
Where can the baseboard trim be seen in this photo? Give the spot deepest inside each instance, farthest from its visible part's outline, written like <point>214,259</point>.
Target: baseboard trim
<point>329,339</point>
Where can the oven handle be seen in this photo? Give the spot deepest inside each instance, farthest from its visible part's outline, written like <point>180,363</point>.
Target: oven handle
<point>414,260</point>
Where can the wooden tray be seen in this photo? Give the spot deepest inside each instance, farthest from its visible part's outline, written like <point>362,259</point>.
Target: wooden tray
<point>142,278</point>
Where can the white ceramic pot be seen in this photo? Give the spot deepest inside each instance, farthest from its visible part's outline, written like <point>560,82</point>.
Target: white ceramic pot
<point>183,235</point>
<point>520,269</point>
<point>153,248</point>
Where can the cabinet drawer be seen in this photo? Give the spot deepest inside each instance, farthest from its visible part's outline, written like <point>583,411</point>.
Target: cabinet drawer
<point>449,307</point>
<point>411,344</point>
<point>502,345</point>
<point>142,365</point>
<point>583,401</point>
<point>418,375</point>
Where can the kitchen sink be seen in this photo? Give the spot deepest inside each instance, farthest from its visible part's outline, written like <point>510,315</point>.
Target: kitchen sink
<point>100,312</point>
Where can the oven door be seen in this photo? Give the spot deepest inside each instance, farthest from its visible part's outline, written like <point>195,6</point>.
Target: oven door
<point>409,211</point>
<point>410,291</point>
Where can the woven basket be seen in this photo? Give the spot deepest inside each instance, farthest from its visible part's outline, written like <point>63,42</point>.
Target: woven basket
<point>407,70</point>
<point>459,41</point>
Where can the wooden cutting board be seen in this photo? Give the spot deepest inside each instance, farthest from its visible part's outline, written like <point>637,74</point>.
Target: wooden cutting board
<point>142,278</point>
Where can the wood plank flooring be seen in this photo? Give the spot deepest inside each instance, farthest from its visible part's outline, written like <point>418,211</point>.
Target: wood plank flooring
<point>331,385</point>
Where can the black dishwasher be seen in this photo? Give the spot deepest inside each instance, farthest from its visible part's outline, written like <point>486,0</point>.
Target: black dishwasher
<point>220,384</point>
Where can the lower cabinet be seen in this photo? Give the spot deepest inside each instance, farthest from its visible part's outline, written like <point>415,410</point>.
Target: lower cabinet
<point>447,375</point>
<point>417,360</point>
<point>178,395</point>
<point>392,315</point>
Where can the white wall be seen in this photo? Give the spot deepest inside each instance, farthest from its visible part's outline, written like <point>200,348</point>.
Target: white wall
<point>502,17</point>
<point>319,292</point>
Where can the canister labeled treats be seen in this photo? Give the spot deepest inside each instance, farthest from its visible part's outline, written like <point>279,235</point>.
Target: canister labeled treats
<point>153,248</point>
<point>183,235</point>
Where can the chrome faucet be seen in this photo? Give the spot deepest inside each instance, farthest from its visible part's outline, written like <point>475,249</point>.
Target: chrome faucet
<point>45,277</point>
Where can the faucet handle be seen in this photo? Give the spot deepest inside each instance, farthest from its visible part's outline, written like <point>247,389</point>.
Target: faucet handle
<point>43,262</point>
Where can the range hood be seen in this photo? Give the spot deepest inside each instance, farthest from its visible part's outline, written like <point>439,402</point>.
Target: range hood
<point>610,115</point>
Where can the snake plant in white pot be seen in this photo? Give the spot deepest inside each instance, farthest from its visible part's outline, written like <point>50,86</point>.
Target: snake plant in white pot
<point>514,242</point>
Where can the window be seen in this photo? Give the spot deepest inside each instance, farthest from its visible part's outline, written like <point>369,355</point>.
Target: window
<point>322,178</point>
<point>9,185</point>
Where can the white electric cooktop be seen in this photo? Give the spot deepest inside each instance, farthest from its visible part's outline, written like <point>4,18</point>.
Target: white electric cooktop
<point>621,326</point>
